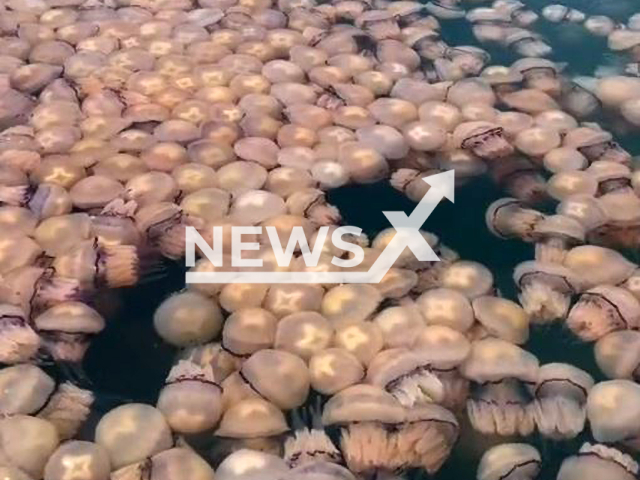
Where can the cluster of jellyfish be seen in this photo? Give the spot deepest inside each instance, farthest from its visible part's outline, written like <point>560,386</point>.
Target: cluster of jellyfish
<point>123,122</point>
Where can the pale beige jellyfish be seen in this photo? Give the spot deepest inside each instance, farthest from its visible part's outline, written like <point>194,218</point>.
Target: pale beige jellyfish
<point>447,307</point>
<point>248,330</point>
<point>247,462</point>
<point>509,218</point>
<point>596,145</point>
<point>18,342</point>
<point>484,139</point>
<point>350,303</point>
<point>560,400</point>
<point>427,437</point>
<point>509,461</point>
<point>601,310</point>
<point>80,460</point>
<point>303,334</point>
<point>597,461</point>
<point>94,265</point>
<point>163,225</point>
<point>406,374</point>
<point>472,279</point>
<point>333,370</point>
<point>612,410</point>
<point>501,318</point>
<point>555,235</point>
<point>546,289</point>
<point>27,443</point>
<point>191,399</point>
<point>499,405</point>
<point>253,423</point>
<point>540,74</point>
<point>445,349</point>
<point>363,412</point>
<point>188,318</point>
<point>133,432</point>
<point>66,330</point>
<point>618,354</point>
<point>284,299</point>
<point>399,325</point>
<point>167,465</point>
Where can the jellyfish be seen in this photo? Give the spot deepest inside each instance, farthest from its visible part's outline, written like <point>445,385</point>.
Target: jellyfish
<point>188,318</point>
<point>447,307</point>
<point>131,433</point>
<point>247,462</point>
<point>510,218</point>
<point>537,141</point>
<point>617,352</point>
<point>163,225</point>
<point>445,349</point>
<point>191,400</point>
<point>18,341</point>
<point>27,443</point>
<point>80,459</point>
<point>598,461</point>
<point>401,324</point>
<point>67,408</point>
<point>509,461</point>
<point>166,465</point>
<point>45,200</point>
<point>540,74</point>
<point>406,374</point>
<point>253,423</point>
<point>520,177</point>
<point>66,329</point>
<point>554,236</point>
<point>560,400</point>
<point>612,412</point>
<point>247,331</point>
<point>472,279</point>
<point>484,139</point>
<point>320,469</point>
<point>363,340</point>
<point>501,318</point>
<point>564,158</point>
<point>596,145</point>
<point>499,402</point>
<point>601,310</point>
<point>351,303</point>
<point>303,334</point>
<point>309,442</point>
<point>526,43</point>
<point>364,413</point>
<point>598,265</point>
<point>276,375</point>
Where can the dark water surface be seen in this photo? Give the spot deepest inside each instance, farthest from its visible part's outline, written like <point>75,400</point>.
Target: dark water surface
<point>128,362</point>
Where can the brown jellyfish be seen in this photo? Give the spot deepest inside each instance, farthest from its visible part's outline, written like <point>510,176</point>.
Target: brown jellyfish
<point>540,74</point>
<point>19,341</point>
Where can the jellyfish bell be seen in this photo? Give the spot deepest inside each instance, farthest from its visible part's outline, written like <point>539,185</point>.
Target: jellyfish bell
<point>564,158</point>
<point>601,310</point>
<point>599,25</point>
<point>539,74</point>
<point>501,318</point>
<point>526,43</point>
<point>610,421</point>
<point>245,462</point>
<point>444,10</point>
<point>484,139</point>
<point>191,400</point>
<point>28,442</point>
<point>146,434</point>
<point>617,354</point>
<point>502,79</point>
<point>557,13</point>
<point>596,145</point>
<point>509,461</point>
<point>363,412</point>
<point>598,461</point>
<point>66,330</point>
<point>555,235</point>
<point>561,395</point>
<point>253,422</point>
<point>406,375</point>
<point>499,405</point>
<point>624,40</point>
